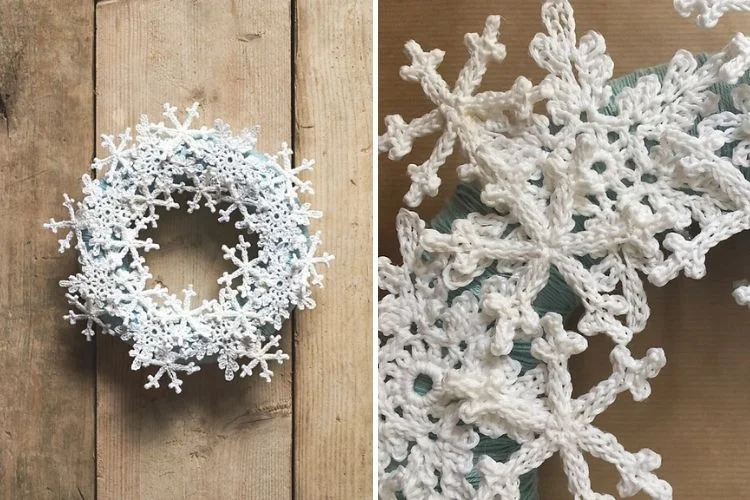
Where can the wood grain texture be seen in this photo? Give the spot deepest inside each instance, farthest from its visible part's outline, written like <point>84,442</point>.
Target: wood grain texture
<point>333,343</point>
<point>216,439</point>
<point>695,417</point>
<point>46,138</point>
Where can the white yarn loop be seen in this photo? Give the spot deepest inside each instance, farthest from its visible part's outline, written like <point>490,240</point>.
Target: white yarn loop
<point>226,174</point>
<point>708,12</point>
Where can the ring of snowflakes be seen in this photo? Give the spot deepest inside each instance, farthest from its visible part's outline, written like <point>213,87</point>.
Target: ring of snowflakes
<point>227,175</point>
<point>606,188</point>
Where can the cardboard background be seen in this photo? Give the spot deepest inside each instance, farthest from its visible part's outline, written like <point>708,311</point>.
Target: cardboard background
<point>697,417</point>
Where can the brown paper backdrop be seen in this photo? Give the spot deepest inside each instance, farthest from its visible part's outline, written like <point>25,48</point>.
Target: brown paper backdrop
<point>699,413</point>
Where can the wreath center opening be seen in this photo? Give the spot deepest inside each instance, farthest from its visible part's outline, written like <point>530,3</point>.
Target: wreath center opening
<point>190,249</point>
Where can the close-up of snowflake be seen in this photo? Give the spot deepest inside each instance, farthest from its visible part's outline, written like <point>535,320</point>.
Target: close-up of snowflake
<point>441,388</point>
<point>619,180</point>
<point>226,174</point>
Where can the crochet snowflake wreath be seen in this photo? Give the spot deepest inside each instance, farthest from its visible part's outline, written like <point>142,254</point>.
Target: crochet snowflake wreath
<point>607,187</point>
<point>221,172</point>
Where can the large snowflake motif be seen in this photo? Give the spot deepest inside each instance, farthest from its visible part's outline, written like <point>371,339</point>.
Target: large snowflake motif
<point>537,410</point>
<point>619,179</point>
<point>429,438</point>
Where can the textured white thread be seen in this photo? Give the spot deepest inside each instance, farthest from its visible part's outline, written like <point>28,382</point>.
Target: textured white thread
<point>709,11</point>
<point>223,173</point>
<point>572,184</point>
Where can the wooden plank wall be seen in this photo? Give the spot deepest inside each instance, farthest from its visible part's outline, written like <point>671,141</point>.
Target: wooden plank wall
<point>696,415</point>
<point>46,136</point>
<point>333,408</point>
<point>76,422</point>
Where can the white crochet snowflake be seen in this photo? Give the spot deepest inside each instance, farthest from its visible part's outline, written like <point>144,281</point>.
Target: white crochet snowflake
<point>427,440</point>
<point>537,410</point>
<point>221,172</point>
<point>709,11</point>
<point>424,336</point>
<point>605,187</point>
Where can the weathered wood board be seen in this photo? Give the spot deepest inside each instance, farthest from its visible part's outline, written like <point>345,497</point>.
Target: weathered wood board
<point>76,421</point>
<point>46,138</point>
<point>333,350</point>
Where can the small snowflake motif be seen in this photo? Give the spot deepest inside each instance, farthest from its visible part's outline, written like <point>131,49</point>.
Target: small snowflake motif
<point>224,173</point>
